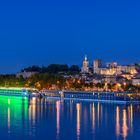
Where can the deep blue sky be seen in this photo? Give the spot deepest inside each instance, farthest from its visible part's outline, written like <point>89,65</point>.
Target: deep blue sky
<point>44,32</point>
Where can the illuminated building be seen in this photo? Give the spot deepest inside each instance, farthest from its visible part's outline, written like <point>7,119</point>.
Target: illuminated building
<point>128,76</point>
<point>136,81</point>
<point>112,65</point>
<point>25,74</point>
<point>118,70</point>
<point>128,69</point>
<point>110,79</point>
<point>97,64</point>
<point>85,68</point>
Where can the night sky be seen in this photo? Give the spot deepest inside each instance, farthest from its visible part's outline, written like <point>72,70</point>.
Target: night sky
<point>45,32</point>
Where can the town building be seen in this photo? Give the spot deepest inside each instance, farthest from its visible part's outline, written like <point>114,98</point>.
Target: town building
<point>85,67</point>
<point>112,73</point>
<point>129,69</point>
<point>112,65</point>
<point>110,79</point>
<point>136,81</point>
<point>97,64</point>
<point>25,74</point>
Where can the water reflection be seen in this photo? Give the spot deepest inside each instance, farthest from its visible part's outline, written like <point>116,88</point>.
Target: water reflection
<point>32,111</point>
<point>9,120</point>
<point>124,127</point>
<point>55,119</point>
<point>71,110</point>
<point>117,122</point>
<point>130,110</point>
<point>93,117</point>
<point>78,109</point>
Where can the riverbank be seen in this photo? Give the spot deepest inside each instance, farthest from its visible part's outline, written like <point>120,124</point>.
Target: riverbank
<point>122,97</point>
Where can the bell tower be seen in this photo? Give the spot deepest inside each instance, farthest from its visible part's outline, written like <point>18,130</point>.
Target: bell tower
<point>85,68</point>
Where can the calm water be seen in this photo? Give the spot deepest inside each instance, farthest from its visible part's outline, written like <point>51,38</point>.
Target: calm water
<point>67,120</point>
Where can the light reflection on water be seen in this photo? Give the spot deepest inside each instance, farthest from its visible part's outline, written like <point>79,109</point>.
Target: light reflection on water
<point>55,119</point>
<point>93,117</point>
<point>117,121</point>
<point>78,109</point>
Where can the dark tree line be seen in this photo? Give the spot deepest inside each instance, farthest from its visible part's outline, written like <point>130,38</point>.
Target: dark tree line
<point>53,69</point>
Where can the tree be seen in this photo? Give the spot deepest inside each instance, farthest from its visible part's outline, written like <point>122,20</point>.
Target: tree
<point>99,85</point>
<point>74,69</point>
<point>32,69</point>
<point>56,68</point>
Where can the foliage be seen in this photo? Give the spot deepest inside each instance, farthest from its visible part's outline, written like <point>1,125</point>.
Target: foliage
<point>11,81</point>
<point>54,69</point>
<point>45,81</point>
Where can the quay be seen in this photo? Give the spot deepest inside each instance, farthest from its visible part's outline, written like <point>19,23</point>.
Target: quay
<point>118,97</point>
<point>22,92</point>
